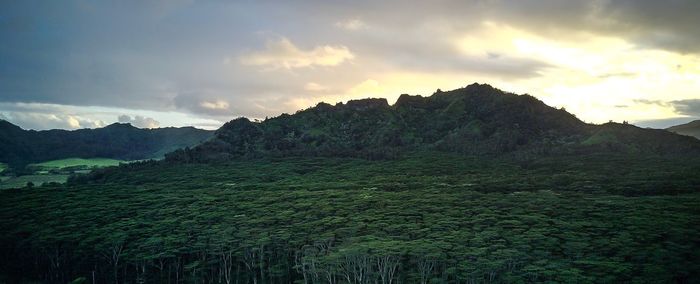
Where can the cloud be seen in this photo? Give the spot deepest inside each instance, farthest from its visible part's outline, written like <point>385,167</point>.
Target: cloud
<point>51,116</point>
<point>687,107</point>
<point>139,121</point>
<point>315,87</point>
<point>282,53</point>
<point>651,102</point>
<point>215,105</point>
<point>351,25</point>
<point>690,107</point>
<point>41,121</point>
<point>205,103</point>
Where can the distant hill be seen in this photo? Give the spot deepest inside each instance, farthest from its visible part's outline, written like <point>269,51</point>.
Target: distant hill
<point>689,129</point>
<point>477,119</point>
<point>19,147</point>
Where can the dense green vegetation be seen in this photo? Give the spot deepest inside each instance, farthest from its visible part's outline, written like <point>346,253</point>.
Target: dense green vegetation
<point>76,162</point>
<point>424,218</point>
<point>19,147</point>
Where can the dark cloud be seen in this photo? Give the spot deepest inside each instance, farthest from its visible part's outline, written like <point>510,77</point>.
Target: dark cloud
<point>665,24</point>
<point>687,107</point>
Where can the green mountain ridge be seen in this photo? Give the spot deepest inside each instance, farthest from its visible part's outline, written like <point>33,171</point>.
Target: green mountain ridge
<point>477,119</point>
<point>19,147</point>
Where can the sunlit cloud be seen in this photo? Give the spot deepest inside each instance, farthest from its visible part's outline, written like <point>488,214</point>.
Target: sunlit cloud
<point>215,105</point>
<point>282,53</point>
<point>315,87</point>
<point>139,121</point>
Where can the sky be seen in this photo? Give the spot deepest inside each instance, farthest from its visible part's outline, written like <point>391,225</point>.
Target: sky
<point>86,64</point>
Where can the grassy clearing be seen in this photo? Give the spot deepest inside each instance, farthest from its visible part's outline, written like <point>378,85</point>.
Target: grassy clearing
<point>76,162</point>
<point>21,181</point>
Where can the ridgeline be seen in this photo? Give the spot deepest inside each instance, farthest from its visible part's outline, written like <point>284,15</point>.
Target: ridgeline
<point>19,147</point>
<point>475,120</point>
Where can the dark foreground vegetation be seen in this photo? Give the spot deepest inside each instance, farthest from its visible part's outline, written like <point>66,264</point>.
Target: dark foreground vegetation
<point>423,218</point>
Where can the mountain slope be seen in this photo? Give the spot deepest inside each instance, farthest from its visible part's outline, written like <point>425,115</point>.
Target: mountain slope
<point>689,129</point>
<point>477,119</point>
<point>20,147</point>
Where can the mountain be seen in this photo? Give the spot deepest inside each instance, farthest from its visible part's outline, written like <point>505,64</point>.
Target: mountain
<point>477,119</point>
<point>19,147</point>
<point>689,129</point>
<point>473,185</point>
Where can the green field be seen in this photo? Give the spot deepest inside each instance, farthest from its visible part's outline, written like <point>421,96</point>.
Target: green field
<point>77,162</point>
<point>21,181</point>
<point>41,171</point>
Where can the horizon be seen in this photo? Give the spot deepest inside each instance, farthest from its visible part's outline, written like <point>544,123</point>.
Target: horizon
<point>135,121</point>
<point>76,64</point>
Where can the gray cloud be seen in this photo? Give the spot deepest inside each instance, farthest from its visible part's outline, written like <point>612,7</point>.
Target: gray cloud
<point>139,121</point>
<point>687,107</point>
<point>652,102</point>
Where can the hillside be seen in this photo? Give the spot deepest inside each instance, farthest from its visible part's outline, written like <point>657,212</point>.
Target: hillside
<point>473,185</point>
<point>477,119</point>
<point>689,129</point>
<point>19,147</point>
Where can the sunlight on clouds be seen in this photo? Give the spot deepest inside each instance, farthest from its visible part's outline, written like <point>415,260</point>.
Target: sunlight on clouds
<point>315,87</point>
<point>594,77</point>
<point>214,105</point>
<point>39,119</point>
<point>282,53</point>
<point>367,88</point>
<point>391,85</point>
<point>73,122</point>
<point>40,116</point>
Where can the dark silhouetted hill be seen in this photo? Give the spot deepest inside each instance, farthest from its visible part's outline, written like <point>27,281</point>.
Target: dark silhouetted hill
<point>689,129</point>
<point>477,119</point>
<point>20,147</point>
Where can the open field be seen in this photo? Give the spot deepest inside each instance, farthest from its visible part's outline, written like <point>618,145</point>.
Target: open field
<point>76,162</point>
<point>21,181</point>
